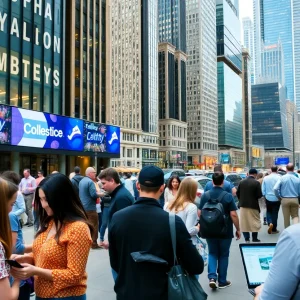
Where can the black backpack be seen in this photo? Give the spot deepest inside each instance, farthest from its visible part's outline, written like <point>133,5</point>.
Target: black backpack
<point>213,221</point>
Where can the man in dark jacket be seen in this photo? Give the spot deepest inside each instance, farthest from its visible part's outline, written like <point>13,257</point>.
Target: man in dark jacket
<point>144,226</point>
<point>120,196</point>
<point>76,179</point>
<point>249,192</point>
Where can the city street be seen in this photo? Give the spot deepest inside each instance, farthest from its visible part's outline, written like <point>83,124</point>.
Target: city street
<point>100,282</point>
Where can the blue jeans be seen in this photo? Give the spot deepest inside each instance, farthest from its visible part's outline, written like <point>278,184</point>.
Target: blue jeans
<point>105,214</point>
<point>218,258</point>
<point>83,297</point>
<point>272,213</point>
<point>99,221</point>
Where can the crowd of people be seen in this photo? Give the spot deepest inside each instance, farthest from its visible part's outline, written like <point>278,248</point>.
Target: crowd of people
<point>71,215</point>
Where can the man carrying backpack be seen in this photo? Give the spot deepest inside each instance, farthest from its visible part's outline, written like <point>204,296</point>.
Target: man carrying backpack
<point>217,213</point>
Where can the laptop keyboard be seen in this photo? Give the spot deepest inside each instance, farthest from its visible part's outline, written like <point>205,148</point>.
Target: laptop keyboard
<point>252,292</point>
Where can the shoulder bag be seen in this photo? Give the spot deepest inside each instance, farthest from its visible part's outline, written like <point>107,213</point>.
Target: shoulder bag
<point>181,286</point>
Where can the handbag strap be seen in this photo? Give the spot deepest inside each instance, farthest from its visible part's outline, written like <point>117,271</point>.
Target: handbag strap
<point>173,235</point>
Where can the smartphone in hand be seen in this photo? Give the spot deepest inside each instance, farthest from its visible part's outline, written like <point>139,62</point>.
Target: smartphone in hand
<point>13,263</point>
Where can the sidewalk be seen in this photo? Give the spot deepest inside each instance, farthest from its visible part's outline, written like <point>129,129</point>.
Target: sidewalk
<point>100,282</point>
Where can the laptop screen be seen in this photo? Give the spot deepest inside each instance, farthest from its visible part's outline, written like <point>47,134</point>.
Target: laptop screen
<point>257,260</point>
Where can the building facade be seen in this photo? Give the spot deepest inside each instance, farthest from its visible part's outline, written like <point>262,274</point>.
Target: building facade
<point>296,30</point>
<point>248,36</point>
<point>172,23</point>
<point>202,101</point>
<point>132,78</point>
<point>230,106</point>
<point>269,32</point>
<point>247,106</point>
<point>269,117</point>
<point>172,107</point>
<point>172,83</point>
<point>31,72</point>
<point>37,129</point>
<point>272,64</point>
<point>31,68</point>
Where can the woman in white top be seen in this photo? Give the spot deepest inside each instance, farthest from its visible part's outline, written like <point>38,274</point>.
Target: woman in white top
<point>183,206</point>
<point>172,189</point>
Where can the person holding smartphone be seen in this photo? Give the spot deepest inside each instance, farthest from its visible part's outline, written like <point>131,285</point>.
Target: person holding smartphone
<point>18,245</point>
<point>8,195</point>
<point>62,244</point>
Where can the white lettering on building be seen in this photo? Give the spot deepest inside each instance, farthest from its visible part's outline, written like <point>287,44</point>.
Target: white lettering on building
<point>39,130</point>
<point>15,69</point>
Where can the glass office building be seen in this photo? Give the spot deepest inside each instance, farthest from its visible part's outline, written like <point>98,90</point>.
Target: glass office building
<point>228,34</point>
<point>273,23</point>
<point>31,54</point>
<point>172,23</point>
<point>229,51</point>
<point>230,113</point>
<point>269,119</point>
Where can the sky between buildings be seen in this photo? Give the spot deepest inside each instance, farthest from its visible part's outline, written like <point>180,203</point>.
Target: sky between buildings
<point>246,9</point>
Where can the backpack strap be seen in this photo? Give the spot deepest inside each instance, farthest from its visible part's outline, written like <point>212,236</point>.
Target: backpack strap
<point>219,199</point>
<point>172,226</point>
<point>221,196</point>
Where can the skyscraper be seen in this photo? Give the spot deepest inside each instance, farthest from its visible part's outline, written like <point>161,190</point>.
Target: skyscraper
<point>274,22</point>
<point>296,24</point>
<point>272,64</point>
<point>237,6</point>
<point>202,101</point>
<point>230,112</point>
<point>248,34</point>
<point>132,78</point>
<point>85,70</point>
<point>269,119</point>
<point>172,23</point>
<point>172,83</point>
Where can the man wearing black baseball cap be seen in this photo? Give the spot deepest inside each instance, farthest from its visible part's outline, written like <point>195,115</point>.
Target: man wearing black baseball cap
<point>144,228</point>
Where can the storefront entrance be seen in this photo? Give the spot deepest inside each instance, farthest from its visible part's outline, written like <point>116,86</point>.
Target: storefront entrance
<point>46,163</point>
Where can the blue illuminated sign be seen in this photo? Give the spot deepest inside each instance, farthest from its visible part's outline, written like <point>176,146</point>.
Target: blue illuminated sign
<point>42,130</point>
<point>282,161</point>
<point>101,138</point>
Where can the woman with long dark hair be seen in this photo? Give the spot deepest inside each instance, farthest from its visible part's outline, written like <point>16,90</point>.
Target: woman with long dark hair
<point>18,245</point>
<point>172,189</point>
<point>62,243</point>
<point>8,195</point>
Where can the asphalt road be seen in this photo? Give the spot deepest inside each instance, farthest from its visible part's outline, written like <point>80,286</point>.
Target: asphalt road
<point>100,282</point>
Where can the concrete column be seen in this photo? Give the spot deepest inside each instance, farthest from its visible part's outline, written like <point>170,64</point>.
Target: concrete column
<point>15,162</point>
<point>62,164</point>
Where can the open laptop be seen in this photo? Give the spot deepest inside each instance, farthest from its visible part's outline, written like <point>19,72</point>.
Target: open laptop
<point>256,260</point>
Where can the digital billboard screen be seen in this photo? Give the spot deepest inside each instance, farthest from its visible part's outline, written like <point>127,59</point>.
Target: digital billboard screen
<point>43,130</point>
<point>282,161</point>
<point>101,138</point>
<point>22,127</point>
<point>5,124</point>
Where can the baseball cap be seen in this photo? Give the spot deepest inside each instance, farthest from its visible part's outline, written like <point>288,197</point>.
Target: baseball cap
<point>151,176</point>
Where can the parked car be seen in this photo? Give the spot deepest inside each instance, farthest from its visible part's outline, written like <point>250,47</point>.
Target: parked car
<point>170,172</point>
<point>234,178</point>
<point>209,174</point>
<point>243,175</point>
